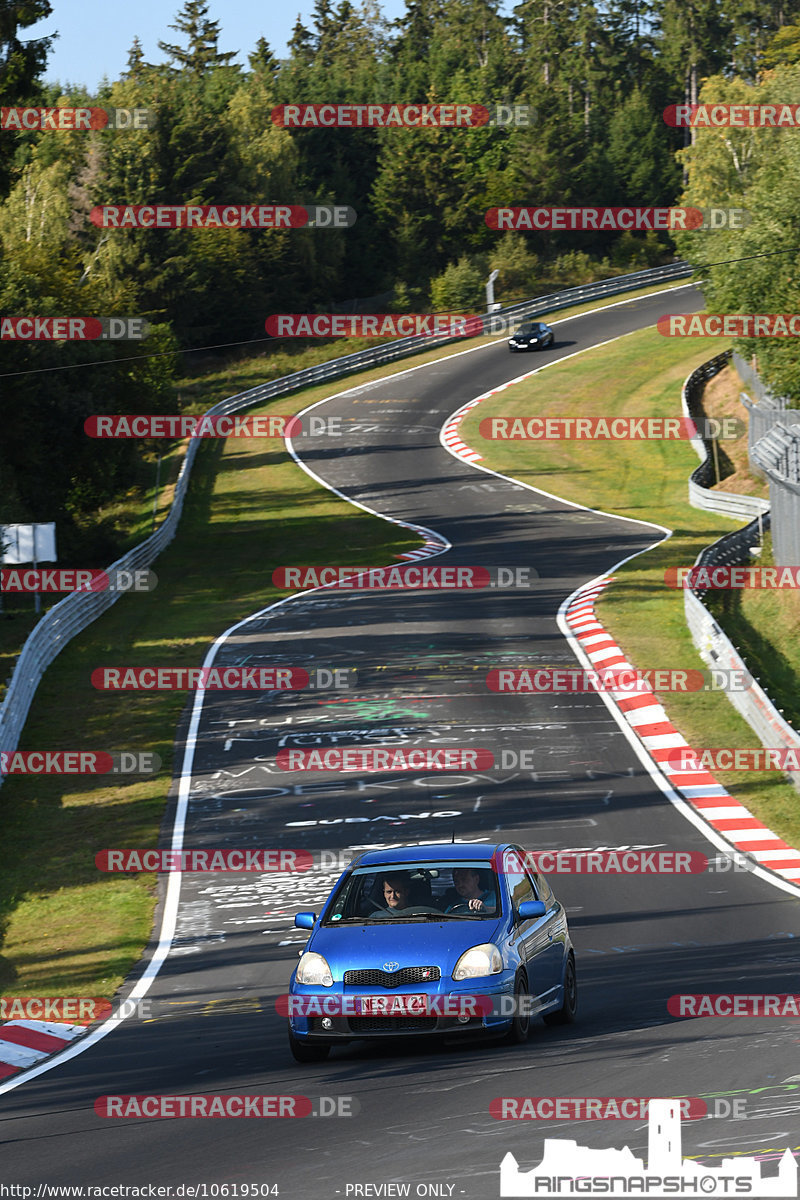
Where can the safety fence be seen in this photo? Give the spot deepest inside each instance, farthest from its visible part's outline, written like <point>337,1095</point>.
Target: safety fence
<point>732,549</point>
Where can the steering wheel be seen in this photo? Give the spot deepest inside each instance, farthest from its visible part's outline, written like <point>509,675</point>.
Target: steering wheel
<point>462,904</point>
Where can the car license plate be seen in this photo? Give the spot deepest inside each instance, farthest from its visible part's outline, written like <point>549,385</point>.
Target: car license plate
<point>393,1006</point>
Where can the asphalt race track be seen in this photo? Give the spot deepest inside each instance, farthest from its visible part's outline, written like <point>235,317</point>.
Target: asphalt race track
<point>423,1111</point>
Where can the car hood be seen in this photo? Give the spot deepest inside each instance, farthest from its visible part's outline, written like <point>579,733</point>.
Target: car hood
<point>423,943</point>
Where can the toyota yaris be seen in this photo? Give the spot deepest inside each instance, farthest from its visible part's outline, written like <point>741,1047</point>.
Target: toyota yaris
<point>442,940</point>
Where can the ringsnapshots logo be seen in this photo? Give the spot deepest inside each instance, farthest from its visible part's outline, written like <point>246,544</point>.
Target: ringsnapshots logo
<point>223,216</point>
<point>568,1169</point>
<point>621,219</point>
<point>76,579</point>
<point>73,329</point>
<point>79,762</point>
<point>732,116</point>
<point>267,425</point>
<point>614,429</point>
<point>224,679</point>
<point>400,115</point>
<point>66,120</point>
<point>412,577</point>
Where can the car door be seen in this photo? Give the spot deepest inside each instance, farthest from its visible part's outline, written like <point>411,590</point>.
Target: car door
<point>538,940</point>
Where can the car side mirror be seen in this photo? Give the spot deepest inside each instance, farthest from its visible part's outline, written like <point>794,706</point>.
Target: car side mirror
<point>305,920</point>
<point>529,909</point>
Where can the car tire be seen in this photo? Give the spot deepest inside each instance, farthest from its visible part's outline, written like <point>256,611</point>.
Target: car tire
<point>305,1052</point>
<point>520,1023</point>
<point>566,1014</point>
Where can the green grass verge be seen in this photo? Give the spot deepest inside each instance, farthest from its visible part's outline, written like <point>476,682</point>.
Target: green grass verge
<point>64,928</point>
<point>639,375</point>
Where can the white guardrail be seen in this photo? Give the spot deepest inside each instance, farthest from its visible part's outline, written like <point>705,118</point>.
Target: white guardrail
<point>74,613</point>
<point>733,549</point>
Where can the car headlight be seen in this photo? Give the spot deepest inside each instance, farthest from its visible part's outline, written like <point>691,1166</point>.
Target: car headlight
<point>477,961</point>
<point>314,969</point>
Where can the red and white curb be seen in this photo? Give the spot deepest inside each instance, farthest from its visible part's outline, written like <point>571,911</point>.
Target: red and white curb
<point>25,1043</point>
<point>451,437</point>
<point>649,721</point>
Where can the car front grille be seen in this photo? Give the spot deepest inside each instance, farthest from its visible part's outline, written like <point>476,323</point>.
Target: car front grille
<point>393,979</point>
<point>391,1024</point>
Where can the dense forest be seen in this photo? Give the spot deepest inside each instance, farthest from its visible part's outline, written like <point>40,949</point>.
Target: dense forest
<point>597,75</point>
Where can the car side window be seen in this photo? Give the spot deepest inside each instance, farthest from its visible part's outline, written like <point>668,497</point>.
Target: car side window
<point>541,888</point>
<point>520,887</point>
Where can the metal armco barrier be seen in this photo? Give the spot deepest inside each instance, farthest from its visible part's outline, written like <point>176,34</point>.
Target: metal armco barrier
<point>732,550</point>
<point>778,455</point>
<point>77,611</point>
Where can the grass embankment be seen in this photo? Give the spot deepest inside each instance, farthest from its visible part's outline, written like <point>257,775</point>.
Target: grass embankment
<point>64,928</point>
<point>641,375</point>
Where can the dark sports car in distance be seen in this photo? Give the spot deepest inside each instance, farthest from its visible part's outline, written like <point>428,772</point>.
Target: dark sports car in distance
<point>531,335</point>
<point>447,939</point>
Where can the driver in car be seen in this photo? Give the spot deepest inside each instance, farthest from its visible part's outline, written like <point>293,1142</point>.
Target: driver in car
<point>466,881</point>
<point>396,891</point>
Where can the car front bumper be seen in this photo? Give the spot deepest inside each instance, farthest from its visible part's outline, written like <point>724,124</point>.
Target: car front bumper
<point>332,1025</point>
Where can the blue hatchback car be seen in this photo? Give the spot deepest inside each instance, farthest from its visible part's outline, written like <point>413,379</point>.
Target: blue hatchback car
<point>436,939</point>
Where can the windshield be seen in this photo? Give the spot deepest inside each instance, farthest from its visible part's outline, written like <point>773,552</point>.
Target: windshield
<point>451,891</point>
<point>530,327</point>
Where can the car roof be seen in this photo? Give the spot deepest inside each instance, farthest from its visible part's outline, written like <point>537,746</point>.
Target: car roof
<point>441,851</point>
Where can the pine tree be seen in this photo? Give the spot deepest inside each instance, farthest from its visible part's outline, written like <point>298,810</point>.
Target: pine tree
<point>201,54</point>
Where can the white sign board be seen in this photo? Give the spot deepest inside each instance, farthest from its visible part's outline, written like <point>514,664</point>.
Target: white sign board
<point>28,543</point>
